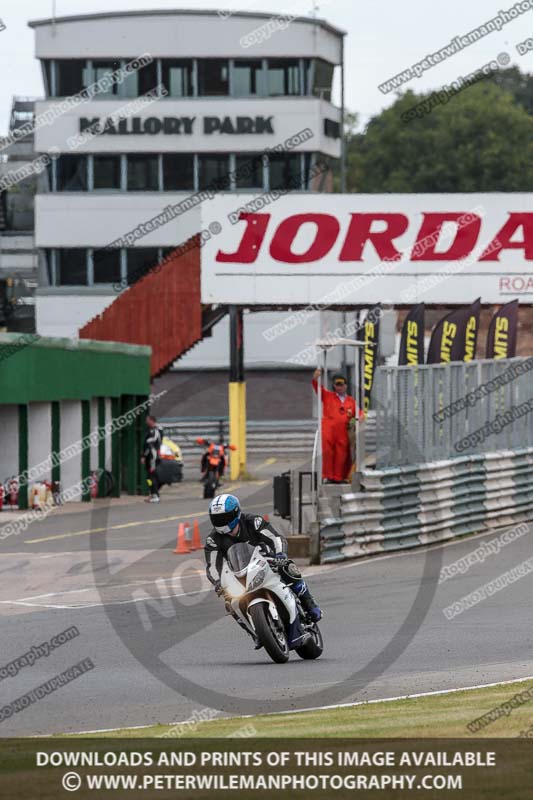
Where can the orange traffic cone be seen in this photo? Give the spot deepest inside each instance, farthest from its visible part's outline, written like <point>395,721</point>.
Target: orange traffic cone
<point>181,544</point>
<point>196,540</point>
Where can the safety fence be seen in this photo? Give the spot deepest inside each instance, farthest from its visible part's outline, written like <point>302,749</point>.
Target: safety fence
<point>441,411</point>
<point>280,438</point>
<point>411,506</point>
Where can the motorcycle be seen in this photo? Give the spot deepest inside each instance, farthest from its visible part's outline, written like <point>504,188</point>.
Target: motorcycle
<point>264,606</point>
<point>170,468</point>
<point>213,465</point>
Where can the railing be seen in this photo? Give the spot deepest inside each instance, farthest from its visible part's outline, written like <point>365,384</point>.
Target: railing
<point>444,411</point>
<point>264,438</point>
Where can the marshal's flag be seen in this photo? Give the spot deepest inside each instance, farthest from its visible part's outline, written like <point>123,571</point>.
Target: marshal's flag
<point>369,334</point>
<point>472,330</point>
<point>448,338</point>
<point>412,341</point>
<point>503,328</point>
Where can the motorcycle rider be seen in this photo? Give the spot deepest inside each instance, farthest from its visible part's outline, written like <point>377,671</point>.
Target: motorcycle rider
<point>150,457</point>
<point>231,526</point>
<point>215,451</point>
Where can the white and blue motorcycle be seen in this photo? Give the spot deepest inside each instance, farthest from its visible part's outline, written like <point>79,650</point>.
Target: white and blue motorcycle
<point>265,606</point>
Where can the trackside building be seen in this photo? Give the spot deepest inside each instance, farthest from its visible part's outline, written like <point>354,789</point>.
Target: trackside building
<point>69,408</point>
<point>201,102</point>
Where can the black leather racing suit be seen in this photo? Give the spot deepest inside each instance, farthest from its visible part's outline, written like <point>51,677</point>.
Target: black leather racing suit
<point>151,446</point>
<point>257,531</point>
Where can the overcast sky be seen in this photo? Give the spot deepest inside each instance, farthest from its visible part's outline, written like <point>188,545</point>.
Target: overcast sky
<point>384,37</point>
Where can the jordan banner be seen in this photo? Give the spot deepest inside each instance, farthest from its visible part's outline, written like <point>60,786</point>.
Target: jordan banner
<point>472,330</point>
<point>448,338</point>
<point>369,334</point>
<point>412,341</point>
<point>501,338</point>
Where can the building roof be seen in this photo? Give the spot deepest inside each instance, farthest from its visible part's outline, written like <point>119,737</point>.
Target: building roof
<point>181,12</point>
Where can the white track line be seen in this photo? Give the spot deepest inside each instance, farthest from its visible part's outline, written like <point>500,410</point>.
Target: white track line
<point>99,605</point>
<point>322,569</point>
<point>318,708</point>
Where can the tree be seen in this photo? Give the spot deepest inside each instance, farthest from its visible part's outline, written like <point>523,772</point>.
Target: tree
<point>517,83</point>
<point>481,140</point>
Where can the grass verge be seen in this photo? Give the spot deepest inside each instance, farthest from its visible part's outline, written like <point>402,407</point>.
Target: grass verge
<point>446,715</point>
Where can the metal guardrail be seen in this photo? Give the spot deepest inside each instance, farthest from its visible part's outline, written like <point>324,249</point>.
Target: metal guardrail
<point>414,506</point>
<point>264,438</point>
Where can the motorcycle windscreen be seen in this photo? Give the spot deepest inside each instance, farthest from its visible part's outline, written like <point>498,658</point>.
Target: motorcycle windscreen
<point>239,556</point>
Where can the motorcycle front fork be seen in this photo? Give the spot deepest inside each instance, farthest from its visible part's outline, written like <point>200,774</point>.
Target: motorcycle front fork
<point>238,620</point>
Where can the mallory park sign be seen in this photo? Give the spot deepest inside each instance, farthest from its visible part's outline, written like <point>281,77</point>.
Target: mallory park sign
<point>152,126</point>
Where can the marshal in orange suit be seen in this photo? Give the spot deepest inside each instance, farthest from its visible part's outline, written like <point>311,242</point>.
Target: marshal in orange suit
<point>338,408</point>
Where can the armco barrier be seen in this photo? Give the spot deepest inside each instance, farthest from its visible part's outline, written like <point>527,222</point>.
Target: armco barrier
<point>283,438</point>
<point>417,505</point>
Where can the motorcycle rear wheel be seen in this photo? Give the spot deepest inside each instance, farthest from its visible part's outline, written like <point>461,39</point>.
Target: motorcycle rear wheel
<point>270,633</point>
<point>210,485</point>
<point>314,646</point>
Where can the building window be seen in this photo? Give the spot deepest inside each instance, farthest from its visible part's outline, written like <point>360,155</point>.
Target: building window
<point>332,128</point>
<point>71,76</point>
<point>71,266</point>
<point>71,173</point>
<point>285,171</point>
<point>213,76</point>
<point>308,159</point>
<point>178,172</point>
<point>214,172</point>
<point>319,178</point>
<point>323,80</point>
<point>106,265</point>
<point>247,78</point>
<point>47,74</point>
<point>106,172</point>
<point>177,78</point>
<point>142,80</point>
<point>106,68</point>
<point>140,260</point>
<point>49,266</point>
<point>249,171</point>
<point>283,77</point>
<point>143,173</point>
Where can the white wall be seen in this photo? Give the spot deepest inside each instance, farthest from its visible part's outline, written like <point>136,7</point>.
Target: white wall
<point>64,315</point>
<point>9,438</point>
<point>70,435</point>
<point>39,437</point>
<point>95,220</point>
<point>189,35</point>
<point>274,350</point>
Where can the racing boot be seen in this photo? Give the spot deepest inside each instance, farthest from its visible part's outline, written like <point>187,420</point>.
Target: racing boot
<point>307,601</point>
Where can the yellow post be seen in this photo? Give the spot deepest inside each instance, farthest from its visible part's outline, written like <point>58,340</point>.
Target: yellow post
<point>241,453</point>
<point>237,395</point>
<point>234,429</point>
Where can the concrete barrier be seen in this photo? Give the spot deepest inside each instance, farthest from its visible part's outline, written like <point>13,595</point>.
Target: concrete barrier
<point>417,505</point>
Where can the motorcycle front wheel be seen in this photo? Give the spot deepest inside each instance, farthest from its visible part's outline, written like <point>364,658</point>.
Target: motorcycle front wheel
<point>270,633</point>
<point>314,646</point>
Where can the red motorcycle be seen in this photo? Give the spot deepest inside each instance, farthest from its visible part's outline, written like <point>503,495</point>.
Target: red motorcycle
<point>213,464</point>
